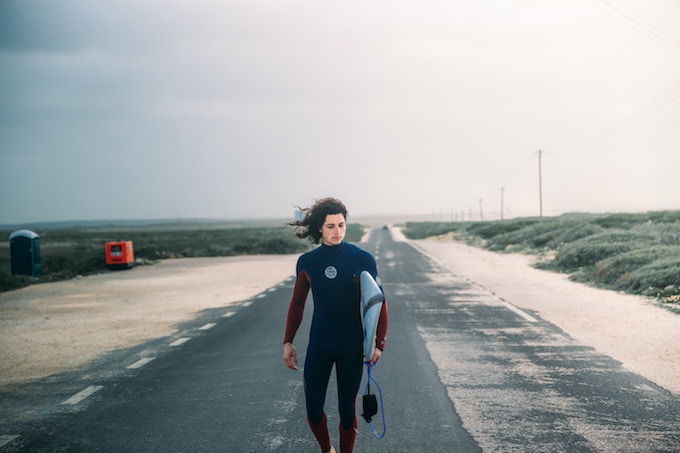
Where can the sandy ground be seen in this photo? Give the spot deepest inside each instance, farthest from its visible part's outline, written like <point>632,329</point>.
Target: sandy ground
<point>637,331</point>
<point>55,327</point>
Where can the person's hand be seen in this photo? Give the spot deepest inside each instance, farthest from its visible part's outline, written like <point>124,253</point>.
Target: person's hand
<point>376,356</point>
<point>290,356</point>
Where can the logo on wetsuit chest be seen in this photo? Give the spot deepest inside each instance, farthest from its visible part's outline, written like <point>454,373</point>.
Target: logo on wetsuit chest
<point>331,272</point>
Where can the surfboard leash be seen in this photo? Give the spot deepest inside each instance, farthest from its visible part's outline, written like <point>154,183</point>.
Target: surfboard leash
<point>370,403</point>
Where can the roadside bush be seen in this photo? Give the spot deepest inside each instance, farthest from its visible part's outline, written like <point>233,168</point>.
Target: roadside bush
<point>636,253</point>
<point>627,220</point>
<point>618,270</point>
<point>588,251</point>
<point>67,253</point>
<point>492,230</point>
<point>422,230</point>
<point>544,235</point>
<point>622,221</point>
<point>662,233</point>
<point>9,282</point>
<point>573,233</point>
<point>656,276</point>
<point>574,256</point>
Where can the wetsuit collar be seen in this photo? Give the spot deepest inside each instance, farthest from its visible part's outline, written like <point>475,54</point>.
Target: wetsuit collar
<point>332,248</point>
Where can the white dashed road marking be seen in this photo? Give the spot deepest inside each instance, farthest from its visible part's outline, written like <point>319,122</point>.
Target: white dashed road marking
<point>78,397</point>
<point>140,363</point>
<point>208,326</point>
<point>179,341</point>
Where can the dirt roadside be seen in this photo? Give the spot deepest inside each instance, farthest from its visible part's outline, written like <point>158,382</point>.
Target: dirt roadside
<point>54,327</point>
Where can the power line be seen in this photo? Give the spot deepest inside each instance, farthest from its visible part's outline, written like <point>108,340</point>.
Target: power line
<point>521,168</point>
<point>540,183</point>
<point>669,98</point>
<point>629,17</point>
<point>524,165</point>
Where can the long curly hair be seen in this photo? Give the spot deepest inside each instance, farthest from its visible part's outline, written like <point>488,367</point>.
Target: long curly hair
<point>310,226</point>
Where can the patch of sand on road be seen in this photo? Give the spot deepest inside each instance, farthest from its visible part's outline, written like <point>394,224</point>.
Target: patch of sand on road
<point>54,327</point>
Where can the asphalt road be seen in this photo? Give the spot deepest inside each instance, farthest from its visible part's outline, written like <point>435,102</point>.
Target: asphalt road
<point>463,371</point>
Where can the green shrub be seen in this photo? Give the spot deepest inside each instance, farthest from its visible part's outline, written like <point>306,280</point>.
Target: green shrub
<point>656,276</point>
<point>543,235</point>
<point>662,233</point>
<point>619,221</point>
<point>576,255</point>
<point>354,233</point>
<point>573,233</point>
<point>637,253</point>
<point>617,270</point>
<point>422,230</point>
<point>66,253</point>
<point>627,220</point>
<point>9,282</point>
<point>490,230</point>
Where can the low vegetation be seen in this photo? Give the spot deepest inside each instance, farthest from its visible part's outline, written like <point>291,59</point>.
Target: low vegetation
<point>634,253</point>
<point>70,252</point>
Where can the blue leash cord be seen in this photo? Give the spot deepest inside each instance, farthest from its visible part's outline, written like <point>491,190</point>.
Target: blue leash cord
<point>382,409</point>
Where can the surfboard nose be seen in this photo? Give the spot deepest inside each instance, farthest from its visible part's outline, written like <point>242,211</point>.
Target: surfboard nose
<point>371,303</point>
<point>370,291</point>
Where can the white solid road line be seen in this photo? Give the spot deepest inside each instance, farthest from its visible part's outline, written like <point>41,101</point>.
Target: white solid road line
<point>507,305</point>
<point>78,397</point>
<point>524,315</point>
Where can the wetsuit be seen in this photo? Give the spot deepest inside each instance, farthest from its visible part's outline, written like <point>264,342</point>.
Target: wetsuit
<point>336,335</point>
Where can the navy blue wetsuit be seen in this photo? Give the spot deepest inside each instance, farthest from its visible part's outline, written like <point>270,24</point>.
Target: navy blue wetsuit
<point>336,335</point>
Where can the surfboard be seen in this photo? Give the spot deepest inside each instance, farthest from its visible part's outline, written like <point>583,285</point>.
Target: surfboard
<point>372,299</point>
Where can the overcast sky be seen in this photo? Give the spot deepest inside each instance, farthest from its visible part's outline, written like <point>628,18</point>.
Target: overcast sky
<point>151,109</point>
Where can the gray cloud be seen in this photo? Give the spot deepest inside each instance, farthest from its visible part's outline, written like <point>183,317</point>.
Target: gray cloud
<point>240,108</point>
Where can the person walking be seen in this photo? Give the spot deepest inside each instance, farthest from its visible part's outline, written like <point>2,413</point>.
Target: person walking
<point>332,272</point>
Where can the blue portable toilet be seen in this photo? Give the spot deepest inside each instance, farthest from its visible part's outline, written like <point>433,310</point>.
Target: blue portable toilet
<point>24,250</point>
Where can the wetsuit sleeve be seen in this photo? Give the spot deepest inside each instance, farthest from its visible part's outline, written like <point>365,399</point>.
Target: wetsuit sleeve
<point>381,331</point>
<point>297,306</point>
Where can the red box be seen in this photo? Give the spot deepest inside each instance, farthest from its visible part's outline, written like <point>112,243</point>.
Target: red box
<point>119,255</point>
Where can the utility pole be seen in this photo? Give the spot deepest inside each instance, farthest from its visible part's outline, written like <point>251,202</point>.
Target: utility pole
<point>540,184</point>
<point>481,213</point>
<point>502,190</point>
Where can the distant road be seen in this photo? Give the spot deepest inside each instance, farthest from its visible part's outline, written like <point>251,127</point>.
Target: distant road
<point>463,372</point>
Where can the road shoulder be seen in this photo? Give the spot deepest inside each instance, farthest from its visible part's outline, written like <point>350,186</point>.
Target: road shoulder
<point>633,330</point>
